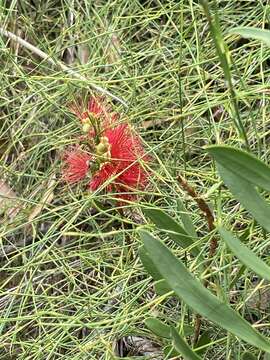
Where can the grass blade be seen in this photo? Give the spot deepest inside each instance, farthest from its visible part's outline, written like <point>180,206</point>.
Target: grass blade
<point>225,61</point>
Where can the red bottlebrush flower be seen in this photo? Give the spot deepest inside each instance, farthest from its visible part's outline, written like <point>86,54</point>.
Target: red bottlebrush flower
<point>126,152</point>
<point>94,117</point>
<point>117,153</point>
<point>76,165</point>
<point>95,107</point>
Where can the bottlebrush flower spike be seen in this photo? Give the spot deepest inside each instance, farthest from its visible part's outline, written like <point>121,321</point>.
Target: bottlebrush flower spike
<point>124,167</point>
<point>76,165</point>
<point>94,115</point>
<point>94,107</point>
<point>116,154</point>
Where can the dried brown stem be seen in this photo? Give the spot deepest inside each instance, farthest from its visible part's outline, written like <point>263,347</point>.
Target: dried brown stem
<point>203,206</point>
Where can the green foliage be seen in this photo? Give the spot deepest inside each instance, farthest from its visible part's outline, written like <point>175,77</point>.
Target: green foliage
<point>225,60</point>
<point>248,356</point>
<point>204,342</point>
<point>186,220</point>
<point>196,296</point>
<point>149,264</point>
<point>182,347</point>
<point>248,196</point>
<point>173,229</point>
<point>246,256</point>
<point>158,328</point>
<point>169,332</point>
<point>242,172</point>
<point>242,164</point>
<point>161,287</point>
<point>252,33</point>
<point>71,282</point>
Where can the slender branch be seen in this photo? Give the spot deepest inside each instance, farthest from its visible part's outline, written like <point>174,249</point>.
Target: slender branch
<point>58,64</point>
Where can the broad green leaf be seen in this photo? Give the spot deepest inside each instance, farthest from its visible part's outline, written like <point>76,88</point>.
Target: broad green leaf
<point>248,196</point>
<point>174,230</point>
<point>248,356</point>
<point>246,256</point>
<point>161,286</point>
<point>183,348</point>
<point>158,328</point>
<point>188,225</point>
<point>195,295</point>
<point>252,33</point>
<point>170,352</point>
<point>239,273</point>
<point>188,330</point>
<point>204,340</point>
<point>162,330</point>
<point>148,264</point>
<point>243,164</point>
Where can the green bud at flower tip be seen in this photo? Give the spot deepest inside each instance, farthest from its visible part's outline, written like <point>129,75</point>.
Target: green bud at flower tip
<point>101,149</point>
<point>86,127</point>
